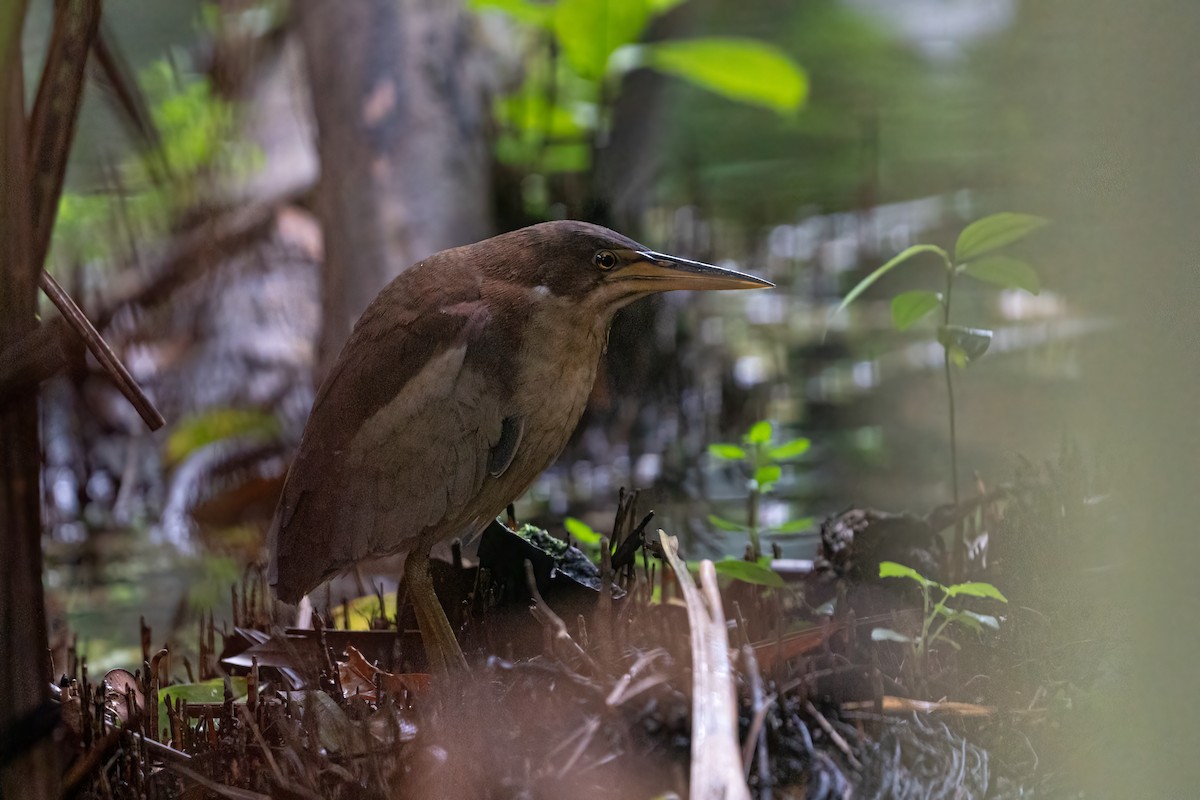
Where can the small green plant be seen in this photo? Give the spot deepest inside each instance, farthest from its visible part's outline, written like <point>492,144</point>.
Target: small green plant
<point>763,462</point>
<point>937,615</point>
<point>588,540</point>
<point>974,255</point>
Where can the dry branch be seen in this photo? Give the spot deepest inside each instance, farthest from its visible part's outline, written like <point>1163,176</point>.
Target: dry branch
<point>716,752</point>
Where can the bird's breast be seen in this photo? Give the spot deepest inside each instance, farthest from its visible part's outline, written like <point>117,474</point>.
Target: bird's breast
<point>559,358</point>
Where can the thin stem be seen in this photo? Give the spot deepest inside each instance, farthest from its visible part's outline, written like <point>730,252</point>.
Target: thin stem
<point>755,497</point>
<point>950,382</point>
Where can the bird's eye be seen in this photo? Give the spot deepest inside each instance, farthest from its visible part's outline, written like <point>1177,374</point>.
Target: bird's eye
<point>605,259</point>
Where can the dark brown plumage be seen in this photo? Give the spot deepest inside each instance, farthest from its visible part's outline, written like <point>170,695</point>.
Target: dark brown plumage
<point>460,383</point>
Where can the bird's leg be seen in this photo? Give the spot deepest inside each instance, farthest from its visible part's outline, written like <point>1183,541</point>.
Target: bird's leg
<point>441,648</point>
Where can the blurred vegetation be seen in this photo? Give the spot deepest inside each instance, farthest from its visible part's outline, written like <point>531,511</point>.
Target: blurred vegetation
<point>195,152</point>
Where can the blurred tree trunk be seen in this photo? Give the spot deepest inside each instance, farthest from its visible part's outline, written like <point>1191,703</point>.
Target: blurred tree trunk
<point>401,124</point>
<point>24,668</point>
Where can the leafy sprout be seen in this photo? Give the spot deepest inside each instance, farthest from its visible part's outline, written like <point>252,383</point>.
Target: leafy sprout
<point>974,255</point>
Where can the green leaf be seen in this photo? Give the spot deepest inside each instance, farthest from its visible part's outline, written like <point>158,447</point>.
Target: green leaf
<point>526,11</point>
<point>994,232</point>
<point>890,569</point>
<point>199,430</point>
<point>759,433</point>
<point>976,589</point>
<point>589,31</point>
<point>903,256</point>
<point>566,157</point>
<point>529,109</point>
<point>765,476</point>
<point>970,342</point>
<point>977,621</point>
<point>662,6</point>
<point>745,70</point>
<point>794,526</point>
<point>582,532</point>
<point>910,307</point>
<point>210,691</point>
<point>1011,273</point>
<point>793,449</point>
<point>726,525</point>
<point>726,452</point>
<point>889,635</point>
<point>749,572</point>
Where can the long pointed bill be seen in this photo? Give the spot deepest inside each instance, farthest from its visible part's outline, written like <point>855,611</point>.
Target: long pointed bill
<point>659,272</point>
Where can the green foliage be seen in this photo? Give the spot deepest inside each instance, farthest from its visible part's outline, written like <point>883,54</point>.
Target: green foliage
<point>755,572</point>
<point>739,69</point>
<point>992,233</point>
<point>205,692</point>
<point>908,308</point>
<point>555,120</point>
<point>762,462</point>
<point>961,345</point>
<point>198,430</point>
<point>869,281</point>
<point>937,614</point>
<point>582,532</point>
<point>1010,273</point>
<point>196,147</point>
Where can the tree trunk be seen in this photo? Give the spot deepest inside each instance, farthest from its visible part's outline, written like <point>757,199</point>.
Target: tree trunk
<point>401,124</point>
<point>24,668</point>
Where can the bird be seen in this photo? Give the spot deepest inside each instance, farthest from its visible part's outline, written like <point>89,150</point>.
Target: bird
<point>460,383</point>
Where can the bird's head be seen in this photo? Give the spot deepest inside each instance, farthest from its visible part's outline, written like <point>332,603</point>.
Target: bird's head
<point>600,270</point>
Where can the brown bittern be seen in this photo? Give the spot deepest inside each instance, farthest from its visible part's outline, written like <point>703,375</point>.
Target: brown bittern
<point>460,383</point>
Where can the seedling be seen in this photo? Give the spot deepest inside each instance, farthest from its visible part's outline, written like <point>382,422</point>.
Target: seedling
<point>763,462</point>
<point>938,615</point>
<point>974,255</point>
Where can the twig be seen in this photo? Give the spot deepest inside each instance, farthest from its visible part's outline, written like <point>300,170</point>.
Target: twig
<point>102,352</point>
<point>553,622</point>
<point>833,735</point>
<point>757,734</point>
<point>44,351</point>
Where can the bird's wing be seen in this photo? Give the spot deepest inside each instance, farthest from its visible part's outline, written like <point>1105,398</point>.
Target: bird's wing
<point>402,433</point>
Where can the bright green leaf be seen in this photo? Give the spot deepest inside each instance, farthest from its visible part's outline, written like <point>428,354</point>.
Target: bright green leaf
<point>726,452</point>
<point>662,6</point>
<point>909,307</point>
<point>760,433</point>
<point>890,569</point>
<point>889,635</point>
<point>746,70</point>
<point>749,572</point>
<point>903,256</point>
<point>364,609</point>
<point>199,430</point>
<point>590,30</point>
<point>526,11</point>
<point>994,232</point>
<point>1011,273</point>
<point>529,109</point>
<point>970,342</point>
<point>767,475</point>
<point>582,532</point>
<point>794,526</point>
<point>976,589</point>
<point>726,525</point>
<point>793,449</point>
<point>205,692</point>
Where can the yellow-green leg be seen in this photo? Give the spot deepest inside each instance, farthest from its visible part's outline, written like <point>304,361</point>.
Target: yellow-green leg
<point>441,647</point>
